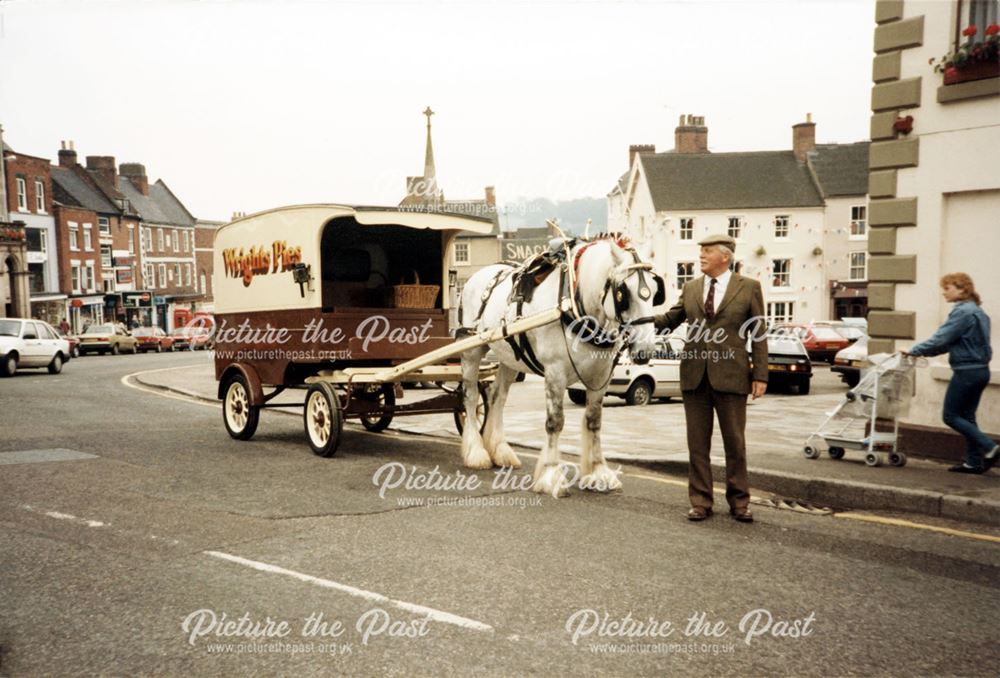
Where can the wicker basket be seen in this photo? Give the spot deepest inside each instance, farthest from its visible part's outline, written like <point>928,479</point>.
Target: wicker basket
<point>414,295</point>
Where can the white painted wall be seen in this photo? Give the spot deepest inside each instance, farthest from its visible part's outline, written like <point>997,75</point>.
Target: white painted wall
<point>958,213</point>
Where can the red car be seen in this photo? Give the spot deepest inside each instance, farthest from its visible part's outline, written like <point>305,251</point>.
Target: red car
<point>821,342</point>
<point>152,339</point>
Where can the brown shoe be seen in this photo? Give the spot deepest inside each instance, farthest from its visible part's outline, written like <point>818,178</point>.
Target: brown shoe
<point>742,514</point>
<point>699,513</point>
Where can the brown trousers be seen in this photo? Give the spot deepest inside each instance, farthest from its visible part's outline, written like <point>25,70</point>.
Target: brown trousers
<point>700,406</point>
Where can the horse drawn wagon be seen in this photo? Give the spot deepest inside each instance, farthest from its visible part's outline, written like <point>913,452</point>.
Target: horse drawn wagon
<point>344,303</point>
<point>312,297</point>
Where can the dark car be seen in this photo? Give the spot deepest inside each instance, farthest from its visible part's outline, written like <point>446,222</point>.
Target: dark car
<point>788,362</point>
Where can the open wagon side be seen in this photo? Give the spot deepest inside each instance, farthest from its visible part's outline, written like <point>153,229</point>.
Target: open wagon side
<point>332,299</point>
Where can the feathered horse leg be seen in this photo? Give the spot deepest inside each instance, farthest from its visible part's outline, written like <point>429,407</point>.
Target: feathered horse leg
<point>549,475</point>
<point>474,454</point>
<point>493,438</point>
<point>595,473</point>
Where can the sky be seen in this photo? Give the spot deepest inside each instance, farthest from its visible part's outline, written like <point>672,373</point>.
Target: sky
<point>248,105</point>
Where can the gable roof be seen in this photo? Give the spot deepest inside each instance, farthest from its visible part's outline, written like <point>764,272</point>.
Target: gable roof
<point>73,189</point>
<point>159,207</point>
<point>841,169</point>
<point>759,179</point>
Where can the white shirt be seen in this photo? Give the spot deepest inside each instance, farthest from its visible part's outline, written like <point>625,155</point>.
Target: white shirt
<point>720,288</point>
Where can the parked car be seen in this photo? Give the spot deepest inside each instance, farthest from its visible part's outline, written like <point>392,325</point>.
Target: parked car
<point>788,362</point>
<point>153,339</point>
<point>850,362</point>
<point>851,329</point>
<point>640,384</point>
<point>107,338</point>
<point>30,343</point>
<point>822,342</point>
<point>181,339</point>
<point>200,338</point>
<point>74,344</point>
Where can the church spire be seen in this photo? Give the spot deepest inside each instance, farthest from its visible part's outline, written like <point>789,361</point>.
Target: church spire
<point>429,153</point>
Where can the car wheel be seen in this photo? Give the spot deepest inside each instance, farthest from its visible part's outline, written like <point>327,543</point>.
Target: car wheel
<point>577,396</point>
<point>323,419</point>
<point>804,387</point>
<point>114,349</point>
<point>9,366</point>
<point>159,349</point>
<point>171,349</point>
<point>75,352</point>
<point>55,367</point>
<point>135,348</point>
<point>239,416</point>
<point>639,393</point>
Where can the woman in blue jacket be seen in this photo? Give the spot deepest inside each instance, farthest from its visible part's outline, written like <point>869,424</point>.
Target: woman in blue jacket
<point>965,337</point>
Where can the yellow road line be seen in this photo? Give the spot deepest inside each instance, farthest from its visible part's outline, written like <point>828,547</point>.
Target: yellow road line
<point>898,522</point>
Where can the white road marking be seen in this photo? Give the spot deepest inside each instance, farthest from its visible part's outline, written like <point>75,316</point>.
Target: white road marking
<point>66,516</point>
<point>436,615</point>
<point>164,394</point>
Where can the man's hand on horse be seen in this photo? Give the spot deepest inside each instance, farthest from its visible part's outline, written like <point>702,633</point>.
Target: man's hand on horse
<point>758,389</point>
<point>660,321</point>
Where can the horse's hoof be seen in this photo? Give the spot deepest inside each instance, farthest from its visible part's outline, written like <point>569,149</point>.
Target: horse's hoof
<point>477,458</point>
<point>503,455</point>
<point>552,483</point>
<point>602,479</point>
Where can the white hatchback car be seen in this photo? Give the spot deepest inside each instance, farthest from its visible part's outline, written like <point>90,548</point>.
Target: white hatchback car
<point>30,343</point>
<point>640,384</point>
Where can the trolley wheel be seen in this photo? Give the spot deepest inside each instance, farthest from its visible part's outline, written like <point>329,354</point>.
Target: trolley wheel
<point>385,396</point>
<point>897,459</point>
<point>836,452</point>
<point>810,452</point>
<point>239,416</point>
<point>323,418</point>
<point>873,459</point>
<point>482,409</point>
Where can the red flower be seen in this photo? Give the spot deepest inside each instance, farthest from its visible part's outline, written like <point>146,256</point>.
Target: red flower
<point>993,29</point>
<point>951,72</point>
<point>970,31</point>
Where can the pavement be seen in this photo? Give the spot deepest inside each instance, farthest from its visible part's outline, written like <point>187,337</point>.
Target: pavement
<point>654,437</point>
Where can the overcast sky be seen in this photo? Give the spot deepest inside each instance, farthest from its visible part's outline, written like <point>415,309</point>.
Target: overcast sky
<point>249,105</point>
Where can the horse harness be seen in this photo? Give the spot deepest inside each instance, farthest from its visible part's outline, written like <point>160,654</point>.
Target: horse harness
<point>527,277</point>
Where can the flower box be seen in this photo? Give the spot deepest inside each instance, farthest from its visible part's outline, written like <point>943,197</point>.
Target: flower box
<point>974,70</point>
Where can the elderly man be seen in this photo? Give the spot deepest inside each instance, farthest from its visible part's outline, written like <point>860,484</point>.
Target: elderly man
<point>722,309</point>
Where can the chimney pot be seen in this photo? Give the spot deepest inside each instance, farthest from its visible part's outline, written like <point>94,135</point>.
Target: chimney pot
<point>804,138</point>
<point>635,149</point>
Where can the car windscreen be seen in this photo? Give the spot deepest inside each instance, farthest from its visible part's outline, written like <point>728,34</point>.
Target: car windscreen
<point>143,332</point>
<point>826,334</point>
<point>101,329</point>
<point>785,345</point>
<point>10,328</point>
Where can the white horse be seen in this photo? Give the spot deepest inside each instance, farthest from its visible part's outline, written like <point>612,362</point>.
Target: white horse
<point>614,291</point>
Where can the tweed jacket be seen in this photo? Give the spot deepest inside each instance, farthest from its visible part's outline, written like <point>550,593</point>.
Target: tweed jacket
<point>719,346</point>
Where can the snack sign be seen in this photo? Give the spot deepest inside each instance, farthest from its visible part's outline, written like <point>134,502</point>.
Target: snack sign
<point>259,260</point>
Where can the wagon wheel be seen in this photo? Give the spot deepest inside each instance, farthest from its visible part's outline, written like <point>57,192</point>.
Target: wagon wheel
<point>482,408</point>
<point>239,416</point>
<point>323,418</point>
<point>385,397</point>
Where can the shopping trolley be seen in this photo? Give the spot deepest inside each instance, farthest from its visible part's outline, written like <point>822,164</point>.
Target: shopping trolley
<point>883,393</point>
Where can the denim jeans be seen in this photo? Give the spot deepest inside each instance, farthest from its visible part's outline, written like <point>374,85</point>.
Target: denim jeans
<point>960,404</point>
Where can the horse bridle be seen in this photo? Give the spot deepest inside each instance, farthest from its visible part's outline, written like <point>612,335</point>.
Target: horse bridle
<point>621,294</point>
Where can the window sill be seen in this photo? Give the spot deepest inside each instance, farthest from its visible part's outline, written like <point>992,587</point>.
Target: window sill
<point>964,91</point>
<point>858,238</point>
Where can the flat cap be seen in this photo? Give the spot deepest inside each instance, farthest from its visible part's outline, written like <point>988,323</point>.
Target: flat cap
<point>719,239</point>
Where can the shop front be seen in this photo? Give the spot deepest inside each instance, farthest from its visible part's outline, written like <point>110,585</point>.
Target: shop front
<point>85,310</point>
<point>49,307</point>
<point>136,308</point>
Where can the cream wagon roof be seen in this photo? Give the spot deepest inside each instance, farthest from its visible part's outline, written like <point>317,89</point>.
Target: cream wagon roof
<point>438,221</point>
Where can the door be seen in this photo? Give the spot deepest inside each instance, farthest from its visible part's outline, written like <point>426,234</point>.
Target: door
<point>34,346</point>
<point>666,368</point>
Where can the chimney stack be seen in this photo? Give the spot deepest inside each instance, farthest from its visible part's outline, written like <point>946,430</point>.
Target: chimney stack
<point>804,138</point>
<point>691,135</point>
<point>491,196</point>
<point>104,167</point>
<point>635,149</point>
<point>136,173</point>
<point>67,156</point>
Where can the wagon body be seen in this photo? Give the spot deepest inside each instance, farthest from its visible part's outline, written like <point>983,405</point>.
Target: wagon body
<point>304,289</point>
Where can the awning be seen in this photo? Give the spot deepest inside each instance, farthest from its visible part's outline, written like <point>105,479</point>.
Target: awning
<point>90,300</point>
<point>47,297</point>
